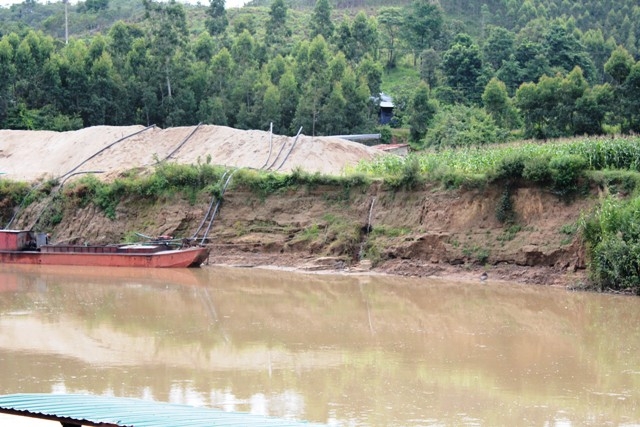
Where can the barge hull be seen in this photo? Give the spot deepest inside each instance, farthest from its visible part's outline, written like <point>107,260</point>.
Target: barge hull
<point>180,258</point>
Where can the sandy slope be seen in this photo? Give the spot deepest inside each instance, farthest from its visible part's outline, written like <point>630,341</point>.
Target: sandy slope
<point>33,155</point>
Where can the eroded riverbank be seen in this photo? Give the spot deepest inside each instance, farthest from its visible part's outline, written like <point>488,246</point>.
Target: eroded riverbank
<point>425,232</point>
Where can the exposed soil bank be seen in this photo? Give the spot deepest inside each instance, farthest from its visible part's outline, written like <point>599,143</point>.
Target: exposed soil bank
<point>424,232</point>
<point>428,231</point>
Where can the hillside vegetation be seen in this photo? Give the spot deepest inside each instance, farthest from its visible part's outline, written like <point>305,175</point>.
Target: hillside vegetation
<point>540,69</point>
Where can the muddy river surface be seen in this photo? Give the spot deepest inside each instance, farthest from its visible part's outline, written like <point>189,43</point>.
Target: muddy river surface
<point>344,350</point>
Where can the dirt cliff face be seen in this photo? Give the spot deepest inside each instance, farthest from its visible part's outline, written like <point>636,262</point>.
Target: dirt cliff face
<point>422,232</point>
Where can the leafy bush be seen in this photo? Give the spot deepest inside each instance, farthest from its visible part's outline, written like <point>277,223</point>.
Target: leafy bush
<point>536,169</point>
<point>565,171</point>
<point>462,126</point>
<point>612,234</point>
<point>12,192</point>
<point>511,167</point>
<point>623,181</point>
<point>385,134</point>
<point>409,177</point>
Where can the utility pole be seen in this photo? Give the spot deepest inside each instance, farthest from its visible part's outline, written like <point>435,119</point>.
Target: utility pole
<point>66,21</point>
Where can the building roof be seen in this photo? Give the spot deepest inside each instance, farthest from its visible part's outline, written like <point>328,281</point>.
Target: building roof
<point>106,411</point>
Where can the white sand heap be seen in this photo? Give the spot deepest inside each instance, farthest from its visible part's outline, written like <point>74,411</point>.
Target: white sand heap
<point>34,155</point>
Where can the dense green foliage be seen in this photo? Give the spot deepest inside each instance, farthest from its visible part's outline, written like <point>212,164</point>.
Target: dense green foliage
<point>613,237</point>
<point>539,68</point>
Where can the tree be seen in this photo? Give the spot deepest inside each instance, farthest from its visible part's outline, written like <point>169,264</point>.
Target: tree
<point>390,19</point>
<point>216,21</point>
<point>462,67</point>
<point>7,78</point>
<point>422,24</point>
<point>565,51</point>
<point>168,33</point>
<point>321,23</point>
<point>212,111</point>
<point>271,110</point>
<point>631,100</point>
<point>30,56</point>
<point>104,107</point>
<point>276,67</point>
<point>344,39</point>
<point>288,89</point>
<point>365,36</point>
<point>371,71</point>
<point>357,102</point>
<point>511,74</point>
<point>598,49</point>
<point>429,69</point>
<point>422,111</point>
<point>549,108</point>
<point>592,109</point>
<point>498,46</point>
<point>277,29</point>
<point>332,111</point>
<point>96,5</point>
<point>120,40</point>
<point>532,60</point>
<point>204,47</point>
<point>316,88</point>
<point>497,103</point>
<point>337,67</point>
<point>242,50</point>
<point>619,65</point>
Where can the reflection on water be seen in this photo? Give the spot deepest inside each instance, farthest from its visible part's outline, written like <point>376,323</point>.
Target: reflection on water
<point>343,350</point>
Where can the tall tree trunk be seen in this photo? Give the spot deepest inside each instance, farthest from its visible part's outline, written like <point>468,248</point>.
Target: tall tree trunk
<point>166,69</point>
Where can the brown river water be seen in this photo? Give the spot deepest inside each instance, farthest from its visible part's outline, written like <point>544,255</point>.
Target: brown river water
<point>345,350</point>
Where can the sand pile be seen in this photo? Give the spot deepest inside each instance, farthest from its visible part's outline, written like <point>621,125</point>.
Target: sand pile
<point>34,155</point>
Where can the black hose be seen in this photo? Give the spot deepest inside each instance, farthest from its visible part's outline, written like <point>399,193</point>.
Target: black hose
<point>270,145</point>
<point>183,142</point>
<point>106,148</point>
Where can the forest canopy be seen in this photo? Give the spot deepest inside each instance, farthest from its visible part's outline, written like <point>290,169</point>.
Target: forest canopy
<point>491,70</point>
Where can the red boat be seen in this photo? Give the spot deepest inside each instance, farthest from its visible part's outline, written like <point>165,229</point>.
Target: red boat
<point>27,247</point>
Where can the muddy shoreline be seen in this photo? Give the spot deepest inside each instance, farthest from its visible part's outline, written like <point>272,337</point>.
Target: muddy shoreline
<point>502,273</point>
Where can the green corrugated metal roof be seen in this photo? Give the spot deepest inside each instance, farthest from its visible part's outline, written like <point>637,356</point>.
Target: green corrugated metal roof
<point>89,410</point>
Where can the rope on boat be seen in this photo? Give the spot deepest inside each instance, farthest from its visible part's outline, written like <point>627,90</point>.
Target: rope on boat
<point>290,149</point>
<point>184,141</point>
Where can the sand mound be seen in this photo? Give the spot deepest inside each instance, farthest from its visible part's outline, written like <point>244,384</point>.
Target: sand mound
<point>34,155</point>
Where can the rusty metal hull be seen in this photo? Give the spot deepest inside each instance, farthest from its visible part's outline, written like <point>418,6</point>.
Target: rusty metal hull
<point>179,258</point>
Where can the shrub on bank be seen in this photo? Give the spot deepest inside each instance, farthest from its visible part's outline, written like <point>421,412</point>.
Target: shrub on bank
<point>612,235</point>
